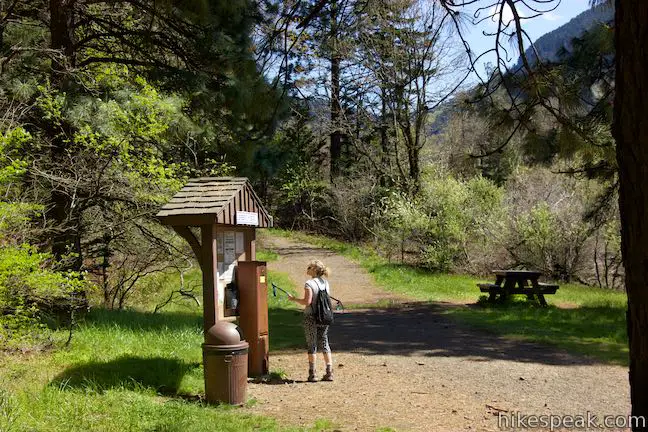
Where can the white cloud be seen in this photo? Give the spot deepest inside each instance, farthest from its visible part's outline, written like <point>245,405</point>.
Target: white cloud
<point>507,14</point>
<point>550,16</point>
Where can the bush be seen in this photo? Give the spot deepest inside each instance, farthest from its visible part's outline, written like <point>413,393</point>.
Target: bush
<point>442,226</point>
<point>32,293</point>
<point>303,200</point>
<point>548,228</point>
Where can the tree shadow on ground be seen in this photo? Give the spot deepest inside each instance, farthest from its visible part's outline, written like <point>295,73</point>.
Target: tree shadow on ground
<point>163,375</point>
<point>428,330</point>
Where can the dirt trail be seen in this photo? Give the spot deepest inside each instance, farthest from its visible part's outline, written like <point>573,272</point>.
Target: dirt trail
<point>410,368</point>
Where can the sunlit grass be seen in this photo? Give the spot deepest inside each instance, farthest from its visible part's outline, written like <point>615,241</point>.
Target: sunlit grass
<point>134,370</point>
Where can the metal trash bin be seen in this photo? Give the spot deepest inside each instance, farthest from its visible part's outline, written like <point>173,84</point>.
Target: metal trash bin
<point>225,359</point>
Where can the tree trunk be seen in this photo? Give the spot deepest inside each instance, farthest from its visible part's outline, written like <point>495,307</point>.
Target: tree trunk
<point>414,169</point>
<point>336,109</point>
<point>65,238</point>
<point>385,163</point>
<point>631,134</point>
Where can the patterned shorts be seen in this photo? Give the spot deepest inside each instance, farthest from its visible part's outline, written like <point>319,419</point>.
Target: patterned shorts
<point>316,336</point>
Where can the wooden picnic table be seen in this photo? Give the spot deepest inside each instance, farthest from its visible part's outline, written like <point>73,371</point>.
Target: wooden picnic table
<point>510,282</point>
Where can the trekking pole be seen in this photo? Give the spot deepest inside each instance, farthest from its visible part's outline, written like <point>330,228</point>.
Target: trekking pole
<point>339,305</point>
<point>275,288</point>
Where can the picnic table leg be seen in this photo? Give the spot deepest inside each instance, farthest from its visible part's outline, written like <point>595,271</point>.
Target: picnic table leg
<point>542,300</point>
<point>492,296</point>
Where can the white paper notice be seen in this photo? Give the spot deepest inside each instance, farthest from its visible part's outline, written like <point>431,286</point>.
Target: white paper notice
<point>228,274</point>
<point>230,246</point>
<point>240,243</point>
<point>219,243</point>
<point>247,218</point>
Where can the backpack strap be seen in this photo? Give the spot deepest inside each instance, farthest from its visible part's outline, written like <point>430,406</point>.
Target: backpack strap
<point>319,289</point>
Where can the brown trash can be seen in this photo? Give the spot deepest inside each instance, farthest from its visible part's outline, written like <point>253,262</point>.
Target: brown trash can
<point>225,360</point>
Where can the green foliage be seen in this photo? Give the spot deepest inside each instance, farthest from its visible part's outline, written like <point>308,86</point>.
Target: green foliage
<point>549,226</point>
<point>442,220</point>
<point>12,145</point>
<point>303,198</point>
<point>107,111</point>
<point>30,287</point>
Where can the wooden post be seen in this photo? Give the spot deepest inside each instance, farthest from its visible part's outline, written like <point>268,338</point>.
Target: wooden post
<point>250,244</point>
<point>209,275</point>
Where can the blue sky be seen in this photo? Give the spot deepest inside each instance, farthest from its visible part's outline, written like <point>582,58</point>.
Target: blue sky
<point>535,27</point>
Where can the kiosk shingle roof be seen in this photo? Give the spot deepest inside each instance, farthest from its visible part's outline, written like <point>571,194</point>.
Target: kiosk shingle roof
<point>213,200</point>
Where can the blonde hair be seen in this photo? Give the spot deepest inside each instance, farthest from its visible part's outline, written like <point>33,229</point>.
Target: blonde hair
<point>319,267</point>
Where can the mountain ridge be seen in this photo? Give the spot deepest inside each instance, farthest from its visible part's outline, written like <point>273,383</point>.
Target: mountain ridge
<point>550,44</point>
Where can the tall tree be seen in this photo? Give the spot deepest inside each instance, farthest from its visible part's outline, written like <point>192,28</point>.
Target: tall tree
<point>313,40</point>
<point>411,61</point>
<point>199,47</point>
<point>631,134</point>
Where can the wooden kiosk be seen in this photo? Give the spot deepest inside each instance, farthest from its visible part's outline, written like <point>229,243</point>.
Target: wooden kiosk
<point>218,218</point>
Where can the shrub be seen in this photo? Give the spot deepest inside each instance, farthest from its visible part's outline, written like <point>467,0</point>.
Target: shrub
<point>444,223</point>
<point>32,293</point>
<point>548,228</point>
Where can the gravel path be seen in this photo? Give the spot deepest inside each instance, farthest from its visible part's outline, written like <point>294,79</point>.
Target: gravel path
<point>412,369</point>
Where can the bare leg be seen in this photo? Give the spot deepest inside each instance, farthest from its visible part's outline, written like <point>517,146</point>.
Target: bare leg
<point>328,358</point>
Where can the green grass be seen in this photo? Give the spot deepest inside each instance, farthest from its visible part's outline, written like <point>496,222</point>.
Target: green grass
<point>581,319</point>
<point>284,317</point>
<point>133,370</point>
<point>597,331</point>
<point>266,255</point>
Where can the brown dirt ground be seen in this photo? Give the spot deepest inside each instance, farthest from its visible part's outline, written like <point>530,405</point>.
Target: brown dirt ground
<point>412,369</point>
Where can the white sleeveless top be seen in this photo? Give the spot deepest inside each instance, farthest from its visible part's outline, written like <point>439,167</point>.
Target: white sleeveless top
<point>315,285</point>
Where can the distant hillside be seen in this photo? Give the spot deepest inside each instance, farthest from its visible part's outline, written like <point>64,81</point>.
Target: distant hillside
<point>550,44</point>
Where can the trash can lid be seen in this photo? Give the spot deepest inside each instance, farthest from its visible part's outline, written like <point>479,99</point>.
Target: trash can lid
<point>223,333</point>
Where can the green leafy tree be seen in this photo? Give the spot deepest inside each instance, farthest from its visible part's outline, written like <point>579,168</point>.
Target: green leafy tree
<point>200,51</point>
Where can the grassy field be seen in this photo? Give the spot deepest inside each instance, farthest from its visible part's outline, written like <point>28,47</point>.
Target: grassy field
<point>581,319</point>
<point>133,370</point>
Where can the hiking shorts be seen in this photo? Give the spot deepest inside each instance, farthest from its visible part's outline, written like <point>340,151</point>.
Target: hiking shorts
<point>316,336</point>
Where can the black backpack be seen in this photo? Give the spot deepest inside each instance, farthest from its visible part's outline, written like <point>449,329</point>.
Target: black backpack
<point>322,309</point>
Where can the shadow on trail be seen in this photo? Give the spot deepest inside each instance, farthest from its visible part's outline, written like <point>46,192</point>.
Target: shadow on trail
<point>425,329</point>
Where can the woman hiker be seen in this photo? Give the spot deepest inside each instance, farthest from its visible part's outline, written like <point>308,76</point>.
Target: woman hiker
<point>316,335</point>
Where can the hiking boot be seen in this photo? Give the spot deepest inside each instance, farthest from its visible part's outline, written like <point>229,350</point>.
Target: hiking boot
<point>329,373</point>
<point>311,372</point>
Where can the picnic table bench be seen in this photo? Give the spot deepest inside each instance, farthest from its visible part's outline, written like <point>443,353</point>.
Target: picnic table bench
<point>510,282</point>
